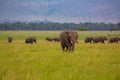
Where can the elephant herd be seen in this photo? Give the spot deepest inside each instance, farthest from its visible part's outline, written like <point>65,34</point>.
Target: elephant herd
<point>101,39</point>
<point>69,38</point>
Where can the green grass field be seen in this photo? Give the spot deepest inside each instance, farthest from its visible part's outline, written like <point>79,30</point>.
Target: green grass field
<point>46,61</point>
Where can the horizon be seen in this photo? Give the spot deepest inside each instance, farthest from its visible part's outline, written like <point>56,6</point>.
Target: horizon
<point>40,21</point>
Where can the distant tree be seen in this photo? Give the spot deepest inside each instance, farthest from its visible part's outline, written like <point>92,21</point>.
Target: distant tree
<point>58,26</point>
<point>82,28</point>
<point>118,26</point>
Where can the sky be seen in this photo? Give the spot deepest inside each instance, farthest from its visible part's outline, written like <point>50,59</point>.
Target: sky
<point>75,11</point>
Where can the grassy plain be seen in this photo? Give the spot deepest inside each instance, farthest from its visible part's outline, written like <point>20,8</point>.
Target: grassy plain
<point>46,61</point>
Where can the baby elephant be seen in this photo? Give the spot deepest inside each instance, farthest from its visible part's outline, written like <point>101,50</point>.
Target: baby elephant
<point>10,39</point>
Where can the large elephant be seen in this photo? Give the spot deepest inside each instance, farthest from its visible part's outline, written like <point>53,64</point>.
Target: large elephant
<point>30,40</point>
<point>10,39</point>
<point>101,39</point>
<point>68,38</point>
<point>88,39</point>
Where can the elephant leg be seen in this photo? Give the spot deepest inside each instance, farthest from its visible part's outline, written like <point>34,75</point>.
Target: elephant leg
<point>72,48</point>
<point>63,47</point>
<point>94,41</point>
<point>102,41</point>
<point>31,42</point>
<point>66,48</point>
<point>90,41</point>
<point>116,41</point>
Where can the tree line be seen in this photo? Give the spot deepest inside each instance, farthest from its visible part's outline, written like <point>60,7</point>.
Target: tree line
<point>58,26</point>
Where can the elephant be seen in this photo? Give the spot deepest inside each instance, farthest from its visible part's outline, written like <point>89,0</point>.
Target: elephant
<point>114,39</point>
<point>49,39</point>
<point>68,38</point>
<point>34,39</point>
<point>88,39</point>
<point>101,39</point>
<point>56,39</point>
<point>30,40</point>
<point>10,39</point>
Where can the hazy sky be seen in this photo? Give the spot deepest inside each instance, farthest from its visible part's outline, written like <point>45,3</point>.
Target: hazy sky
<point>61,10</point>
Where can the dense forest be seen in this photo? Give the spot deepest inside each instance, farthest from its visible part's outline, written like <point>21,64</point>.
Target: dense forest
<point>57,26</point>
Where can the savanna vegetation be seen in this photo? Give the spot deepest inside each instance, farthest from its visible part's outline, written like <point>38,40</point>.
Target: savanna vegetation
<point>46,61</point>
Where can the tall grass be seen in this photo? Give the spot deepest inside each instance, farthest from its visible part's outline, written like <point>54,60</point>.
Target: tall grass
<point>46,61</point>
